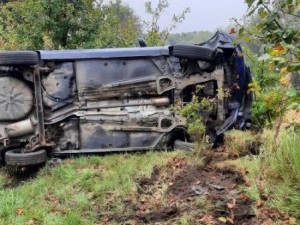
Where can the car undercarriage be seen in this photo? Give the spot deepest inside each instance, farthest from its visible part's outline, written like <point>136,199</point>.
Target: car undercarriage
<point>111,100</point>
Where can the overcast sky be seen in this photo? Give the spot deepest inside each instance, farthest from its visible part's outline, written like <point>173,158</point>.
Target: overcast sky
<point>204,15</point>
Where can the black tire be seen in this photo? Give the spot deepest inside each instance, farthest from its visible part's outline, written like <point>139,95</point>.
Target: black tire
<point>193,52</point>
<point>214,139</point>
<point>186,146</point>
<point>8,58</point>
<point>16,157</point>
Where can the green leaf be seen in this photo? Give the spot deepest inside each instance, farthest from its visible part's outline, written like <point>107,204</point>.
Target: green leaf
<point>222,219</point>
<point>286,45</point>
<point>279,60</point>
<point>264,57</point>
<point>250,2</point>
<point>292,92</point>
<point>294,67</point>
<point>241,30</point>
<point>263,14</point>
<point>293,105</point>
<point>251,12</point>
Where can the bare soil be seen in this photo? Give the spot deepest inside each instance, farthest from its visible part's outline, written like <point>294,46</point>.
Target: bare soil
<point>219,189</point>
<point>20,175</point>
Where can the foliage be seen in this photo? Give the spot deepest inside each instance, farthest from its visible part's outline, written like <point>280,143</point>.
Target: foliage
<point>195,123</point>
<point>60,24</point>
<point>189,37</point>
<point>71,24</point>
<point>193,112</point>
<point>154,34</point>
<point>121,27</point>
<point>264,82</point>
<point>271,28</point>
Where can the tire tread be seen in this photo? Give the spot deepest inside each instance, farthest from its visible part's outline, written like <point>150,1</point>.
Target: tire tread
<point>18,58</point>
<point>193,52</point>
<point>16,158</point>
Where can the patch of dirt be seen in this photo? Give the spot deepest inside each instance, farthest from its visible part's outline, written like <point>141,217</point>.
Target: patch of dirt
<point>19,176</point>
<point>162,214</point>
<point>146,181</point>
<point>219,188</point>
<point>206,178</point>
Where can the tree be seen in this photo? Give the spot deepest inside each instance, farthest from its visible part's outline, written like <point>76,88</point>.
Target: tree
<point>276,29</point>
<point>194,37</point>
<point>154,34</point>
<point>60,24</point>
<point>121,27</point>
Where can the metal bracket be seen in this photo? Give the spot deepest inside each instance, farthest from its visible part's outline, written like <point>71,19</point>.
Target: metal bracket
<point>39,106</point>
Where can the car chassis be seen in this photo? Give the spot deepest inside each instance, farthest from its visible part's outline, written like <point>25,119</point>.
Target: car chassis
<point>111,100</point>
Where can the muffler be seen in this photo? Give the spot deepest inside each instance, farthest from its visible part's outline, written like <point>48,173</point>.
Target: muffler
<point>20,128</point>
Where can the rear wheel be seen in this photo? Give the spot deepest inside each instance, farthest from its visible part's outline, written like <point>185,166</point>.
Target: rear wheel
<point>17,157</point>
<point>18,58</point>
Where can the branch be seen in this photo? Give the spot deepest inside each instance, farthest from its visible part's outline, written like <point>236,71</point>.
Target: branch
<point>293,15</point>
<point>288,13</point>
<point>269,11</point>
<point>249,32</point>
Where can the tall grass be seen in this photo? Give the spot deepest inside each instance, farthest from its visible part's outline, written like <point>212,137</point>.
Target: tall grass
<point>276,171</point>
<point>283,160</point>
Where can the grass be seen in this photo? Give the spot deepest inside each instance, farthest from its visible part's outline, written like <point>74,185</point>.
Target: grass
<point>275,173</point>
<point>240,142</point>
<point>87,190</point>
<point>78,191</point>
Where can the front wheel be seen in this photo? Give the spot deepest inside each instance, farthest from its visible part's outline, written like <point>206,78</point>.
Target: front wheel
<point>182,145</point>
<point>213,139</point>
<point>17,157</point>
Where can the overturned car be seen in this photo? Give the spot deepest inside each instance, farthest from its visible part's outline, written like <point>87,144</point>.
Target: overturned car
<point>111,100</point>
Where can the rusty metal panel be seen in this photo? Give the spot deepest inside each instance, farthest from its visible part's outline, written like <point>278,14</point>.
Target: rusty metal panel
<point>92,74</point>
<point>59,86</point>
<point>95,136</point>
<point>69,138</point>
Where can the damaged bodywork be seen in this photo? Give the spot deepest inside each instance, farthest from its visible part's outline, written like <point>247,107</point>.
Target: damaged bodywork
<point>110,100</point>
